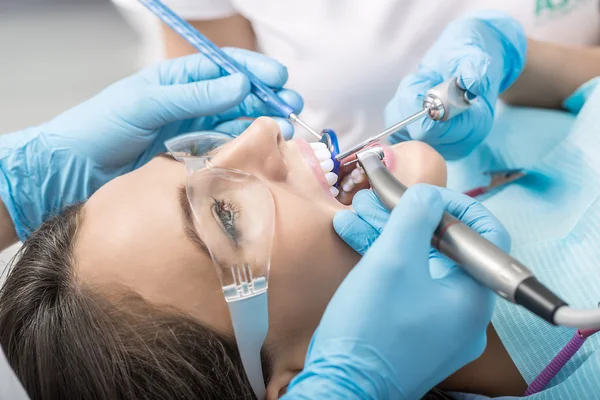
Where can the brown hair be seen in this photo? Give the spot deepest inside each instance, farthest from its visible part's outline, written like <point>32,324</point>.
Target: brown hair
<point>66,340</point>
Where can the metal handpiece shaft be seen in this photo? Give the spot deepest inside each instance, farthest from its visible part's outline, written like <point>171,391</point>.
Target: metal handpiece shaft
<point>384,134</point>
<point>222,59</point>
<point>303,124</point>
<point>484,261</point>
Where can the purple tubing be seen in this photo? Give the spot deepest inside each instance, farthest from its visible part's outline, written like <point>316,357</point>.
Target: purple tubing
<point>552,369</point>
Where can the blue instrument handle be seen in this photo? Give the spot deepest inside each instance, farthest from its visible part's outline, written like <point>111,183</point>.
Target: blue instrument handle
<point>218,56</point>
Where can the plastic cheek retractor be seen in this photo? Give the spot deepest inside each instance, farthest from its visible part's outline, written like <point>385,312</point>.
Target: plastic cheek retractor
<point>330,139</point>
<point>234,214</point>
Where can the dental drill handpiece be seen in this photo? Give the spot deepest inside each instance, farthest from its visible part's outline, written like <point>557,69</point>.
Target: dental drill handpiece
<point>442,102</point>
<point>484,261</point>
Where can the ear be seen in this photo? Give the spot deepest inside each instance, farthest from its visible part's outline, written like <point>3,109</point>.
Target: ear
<point>279,382</point>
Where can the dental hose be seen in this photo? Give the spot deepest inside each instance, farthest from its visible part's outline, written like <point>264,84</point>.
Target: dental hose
<point>559,361</point>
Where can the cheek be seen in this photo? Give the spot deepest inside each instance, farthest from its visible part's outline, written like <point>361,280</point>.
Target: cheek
<point>308,264</point>
<point>416,162</point>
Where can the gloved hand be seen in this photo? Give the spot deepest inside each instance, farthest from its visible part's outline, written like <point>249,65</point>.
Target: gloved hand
<point>392,331</point>
<point>486,52</point>
<point>65,160</point>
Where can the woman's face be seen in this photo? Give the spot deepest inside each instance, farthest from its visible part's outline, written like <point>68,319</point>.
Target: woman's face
<point>137,232</point>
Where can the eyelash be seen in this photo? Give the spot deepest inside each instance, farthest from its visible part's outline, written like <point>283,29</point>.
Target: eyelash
<point>195,151</point>
<point>226,213</point>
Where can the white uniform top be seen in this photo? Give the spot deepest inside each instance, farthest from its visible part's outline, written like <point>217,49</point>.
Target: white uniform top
<point>347,57</point>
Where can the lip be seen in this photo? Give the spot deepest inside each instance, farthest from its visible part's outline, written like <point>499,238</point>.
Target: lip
<point>389,157</point>
<point>309,155</point>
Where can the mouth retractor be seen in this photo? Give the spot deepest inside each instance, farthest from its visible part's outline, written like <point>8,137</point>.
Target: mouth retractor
<point>325,160</point>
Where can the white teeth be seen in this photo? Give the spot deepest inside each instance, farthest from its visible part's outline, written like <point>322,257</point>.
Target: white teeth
<point>327,165</point>
<point>331,178</point>
<point>322,154</point>
<point>351,180</point>
<point>357,176</point>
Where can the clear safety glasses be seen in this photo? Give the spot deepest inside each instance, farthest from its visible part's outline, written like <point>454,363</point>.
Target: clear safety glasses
<point>234,217</point>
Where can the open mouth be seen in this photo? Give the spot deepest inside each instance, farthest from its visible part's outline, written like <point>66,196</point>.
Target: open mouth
<point>351,178</point>
<point>319,159</point>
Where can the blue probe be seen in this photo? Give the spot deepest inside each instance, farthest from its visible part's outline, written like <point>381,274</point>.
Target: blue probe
<point>223,60</point>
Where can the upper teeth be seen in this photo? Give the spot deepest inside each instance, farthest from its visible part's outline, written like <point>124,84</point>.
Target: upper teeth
<point>327,165</point>
<point>324,156</point>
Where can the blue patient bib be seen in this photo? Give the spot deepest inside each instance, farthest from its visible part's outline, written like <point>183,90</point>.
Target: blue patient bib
<point>553,216</point>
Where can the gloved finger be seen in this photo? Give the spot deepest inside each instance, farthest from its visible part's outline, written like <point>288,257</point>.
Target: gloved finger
<point>270,72</point>
<point>369,209</point>
<point>408,100</point>
<point>180,71</point>
<point>354,231</point>
<point>253,107</point>
<point>453,139</point>
<point>476,216</point>
<point>439,265</point>
<point>456,138</point>
<point>198,67</point>
<point>166,104</point>
<point>236,127</point>
<point>476,300</point>
<point>503,39</point>
<point>411,226</point>
<point>471,70</point>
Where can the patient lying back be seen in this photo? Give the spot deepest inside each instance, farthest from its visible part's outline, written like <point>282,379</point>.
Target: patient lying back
<point>117,298</point>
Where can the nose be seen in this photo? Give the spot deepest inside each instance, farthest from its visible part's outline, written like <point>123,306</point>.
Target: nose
<point>259,150</point>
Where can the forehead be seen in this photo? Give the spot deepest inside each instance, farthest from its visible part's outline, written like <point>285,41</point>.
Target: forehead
<point>132,234</point>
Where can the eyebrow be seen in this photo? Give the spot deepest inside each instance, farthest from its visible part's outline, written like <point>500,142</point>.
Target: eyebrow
<point>188,221</point>
<point>186,211</point>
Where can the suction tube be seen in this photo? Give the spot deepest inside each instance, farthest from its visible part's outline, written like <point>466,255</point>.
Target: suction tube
<point>484,261</point>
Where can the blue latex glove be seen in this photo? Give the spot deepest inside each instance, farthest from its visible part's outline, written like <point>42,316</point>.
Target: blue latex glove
<point>392,331</point>
<point>578,98</point>
<point>65,160</point>
<point>486,52</point>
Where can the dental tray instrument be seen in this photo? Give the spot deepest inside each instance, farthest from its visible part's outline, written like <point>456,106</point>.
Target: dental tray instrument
<point>484,261</point>
<point>223,60</point>
<point>442,102</point>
